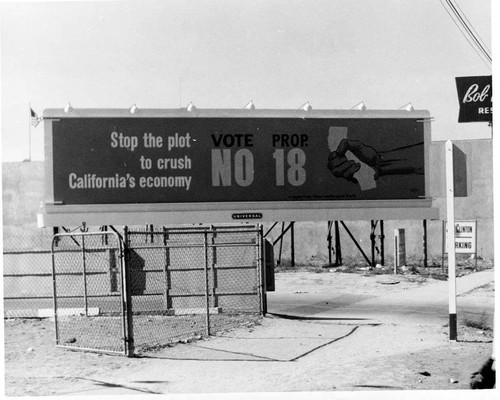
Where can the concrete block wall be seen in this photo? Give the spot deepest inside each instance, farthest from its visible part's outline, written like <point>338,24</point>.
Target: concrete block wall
<point>23,188</point>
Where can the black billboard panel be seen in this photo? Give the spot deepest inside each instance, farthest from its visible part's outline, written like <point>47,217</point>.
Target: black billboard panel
<point>475,95</point>
<point>111,166</point>
<point>204,160</point>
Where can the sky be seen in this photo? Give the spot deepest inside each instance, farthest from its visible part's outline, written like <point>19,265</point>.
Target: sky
<point>222,54</point>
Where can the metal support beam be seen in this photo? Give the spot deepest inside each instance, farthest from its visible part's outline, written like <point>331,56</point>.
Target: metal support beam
<point>270,229</point>
<point>151,233</point>
<point>291,228</point>
<point>425,243</point>
<point>356,243</point>
<point>373,238</point>
<point>280,238</point>
<point>382,247</point>
<point>338,248</point>
<point>329,241</point>
<point>72,238</point>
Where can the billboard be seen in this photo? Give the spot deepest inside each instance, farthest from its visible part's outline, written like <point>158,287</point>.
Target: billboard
<point>210,157</point>
<point>475,94</point>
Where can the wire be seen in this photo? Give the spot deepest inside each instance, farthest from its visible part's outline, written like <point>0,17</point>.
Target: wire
<point>476,46</point>
<point>465,36</point>
<point>475,33</point>
<point>468,28</point>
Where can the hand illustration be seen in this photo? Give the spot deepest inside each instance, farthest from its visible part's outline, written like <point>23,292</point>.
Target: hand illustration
<point>340,166</point>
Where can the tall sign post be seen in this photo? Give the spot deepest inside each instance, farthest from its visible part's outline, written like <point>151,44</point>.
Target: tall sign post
<point>450,241</point>
<point>475,95</point>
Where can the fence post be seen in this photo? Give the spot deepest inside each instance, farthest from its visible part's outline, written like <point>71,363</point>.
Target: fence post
<point>207,295</point>
<point>84,276</point>
<point>213,267</point>
<point>118,273</point>
<point>127,296</point>
<point>55,241</point>
<point>166,271</point>
<point>261,271</point>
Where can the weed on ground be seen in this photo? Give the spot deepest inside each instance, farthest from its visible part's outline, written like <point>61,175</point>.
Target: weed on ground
<point>415,267</point>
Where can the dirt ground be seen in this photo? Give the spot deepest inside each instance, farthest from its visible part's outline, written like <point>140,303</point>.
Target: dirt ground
<point>275,355</point>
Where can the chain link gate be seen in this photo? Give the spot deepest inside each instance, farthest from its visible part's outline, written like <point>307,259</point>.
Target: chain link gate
<point>188,283</point>
<point>89,295</point>
<point>154,287</point>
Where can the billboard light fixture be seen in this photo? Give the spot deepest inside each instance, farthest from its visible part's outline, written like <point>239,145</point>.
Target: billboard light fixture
<point>361,106</point>
<point>133,109</point>
<point>190,107</point>
<point>250,106</point>
<point>407,107</point>
<point>68,108</point>
<point>306,106</point>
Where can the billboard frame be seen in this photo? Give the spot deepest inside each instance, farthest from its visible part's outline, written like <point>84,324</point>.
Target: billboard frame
<point>53,214</point>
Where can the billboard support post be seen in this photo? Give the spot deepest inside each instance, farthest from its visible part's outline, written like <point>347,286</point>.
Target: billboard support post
<point>329,240</point>
<point>281,241</point>
<point>338,248</point>
<point>356,243</point>
<point>382,247</point>
<point>450,241</point>
<point>425,243</point>
<point>373,225</point>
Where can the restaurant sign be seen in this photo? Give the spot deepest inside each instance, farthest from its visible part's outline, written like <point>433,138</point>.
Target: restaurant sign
<point>475,98</point>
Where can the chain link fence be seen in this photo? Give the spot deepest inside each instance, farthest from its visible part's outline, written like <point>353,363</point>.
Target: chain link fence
<point>27,271</point>
<point>136,290</point>
<point>187,283</point>
<point>89,303</point>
